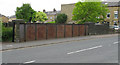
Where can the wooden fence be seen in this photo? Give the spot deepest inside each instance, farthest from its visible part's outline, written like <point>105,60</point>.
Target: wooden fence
<point>37,31</point>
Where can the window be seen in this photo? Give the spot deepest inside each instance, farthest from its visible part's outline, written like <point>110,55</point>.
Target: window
<point>50,17</point>
<point>106,3</point>
<point>115,14</point>
<point>108,15</point>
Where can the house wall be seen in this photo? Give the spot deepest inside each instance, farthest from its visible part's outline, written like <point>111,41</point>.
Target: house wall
<point>12,19</point>
<point>49,18</point>
<point>119,14</point>
<point>112,18</point>
<point>4,19</point>
<point>68,9</point>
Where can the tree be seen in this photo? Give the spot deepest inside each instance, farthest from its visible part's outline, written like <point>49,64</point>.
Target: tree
<point>89,12</point>
<point>40,16</point>
<point>25,12</point>
<point>61,18</point>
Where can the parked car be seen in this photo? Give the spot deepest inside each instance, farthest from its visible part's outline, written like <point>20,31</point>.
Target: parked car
<point>116,27</point>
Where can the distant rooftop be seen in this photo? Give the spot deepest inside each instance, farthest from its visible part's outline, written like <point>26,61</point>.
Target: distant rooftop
<point>13,16</point>
<point>0,15</point>
<point>52,12</point>
<point>111,3</point>
<point>3,16</point>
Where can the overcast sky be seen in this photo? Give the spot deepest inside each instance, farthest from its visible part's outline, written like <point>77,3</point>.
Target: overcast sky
<point>8,7</point>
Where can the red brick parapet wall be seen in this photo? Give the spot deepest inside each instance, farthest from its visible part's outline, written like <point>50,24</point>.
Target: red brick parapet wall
<point>37,31</point>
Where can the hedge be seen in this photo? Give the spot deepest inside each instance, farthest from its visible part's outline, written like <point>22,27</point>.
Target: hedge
<point>7,33</point>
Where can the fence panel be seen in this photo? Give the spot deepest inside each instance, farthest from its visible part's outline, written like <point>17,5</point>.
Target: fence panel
<point>82,30</point>
<point>86,30</point>
<point>75,30</point>
<point>60,31</point>
<point>41,32</point>
<point>30,32</point>
<point>68,30</point>
<point>51,31</point>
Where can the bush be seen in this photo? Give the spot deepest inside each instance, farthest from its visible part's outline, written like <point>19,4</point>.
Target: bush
<point>52,22</point>
<point>61,18</point>
<point>7,33</point>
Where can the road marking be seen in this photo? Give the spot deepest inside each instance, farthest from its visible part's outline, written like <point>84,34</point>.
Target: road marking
<point>85,49</point>
<point>29,62</point>
<point>115,43</point>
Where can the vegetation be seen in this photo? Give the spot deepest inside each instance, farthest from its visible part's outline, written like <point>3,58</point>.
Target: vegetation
<point>6,33</point>
<point>89,12</point>
<point>0,31</point>
<point>61,18</point>
<point>29,15</point>
<point>25,12</point>
<point>52,22</point>
<point>40,16</point>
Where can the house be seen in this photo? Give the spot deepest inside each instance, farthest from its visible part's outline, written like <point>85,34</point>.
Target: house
<point>51,15</point>
<point>111,17</point>
<point>3,18</point>
<point>13,17</point>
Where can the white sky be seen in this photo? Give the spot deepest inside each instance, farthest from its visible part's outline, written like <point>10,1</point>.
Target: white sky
<point>8,7</point>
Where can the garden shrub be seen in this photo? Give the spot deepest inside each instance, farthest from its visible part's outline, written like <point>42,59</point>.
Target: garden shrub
<point>61,18</point>
<point>52,22</point>
<point>7,33</point>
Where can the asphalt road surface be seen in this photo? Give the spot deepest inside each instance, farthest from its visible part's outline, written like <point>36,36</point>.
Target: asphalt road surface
<point>97,50</point>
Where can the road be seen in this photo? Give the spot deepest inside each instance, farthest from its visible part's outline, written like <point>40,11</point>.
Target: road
<point>95,50</point>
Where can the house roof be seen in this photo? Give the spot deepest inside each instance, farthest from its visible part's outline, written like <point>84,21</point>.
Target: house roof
<point>13,16</point>
<point>110,4</point>
<point>52,13</point>
<point>1,15</point>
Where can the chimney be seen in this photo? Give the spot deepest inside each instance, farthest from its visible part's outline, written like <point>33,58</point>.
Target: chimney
<point>44,10</point>
<point>54,10</point>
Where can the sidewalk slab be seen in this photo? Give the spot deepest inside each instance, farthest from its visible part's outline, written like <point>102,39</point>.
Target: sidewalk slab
<point>40,42</point>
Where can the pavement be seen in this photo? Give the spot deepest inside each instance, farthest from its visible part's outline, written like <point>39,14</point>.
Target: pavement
<point>88,49</point>
<point>8,45</point>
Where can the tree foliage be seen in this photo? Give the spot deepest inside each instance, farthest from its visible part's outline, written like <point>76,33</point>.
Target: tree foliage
<point>25,12</point>
<point>89,12</point>
<point>40,16</point>
<point>61,18</point>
